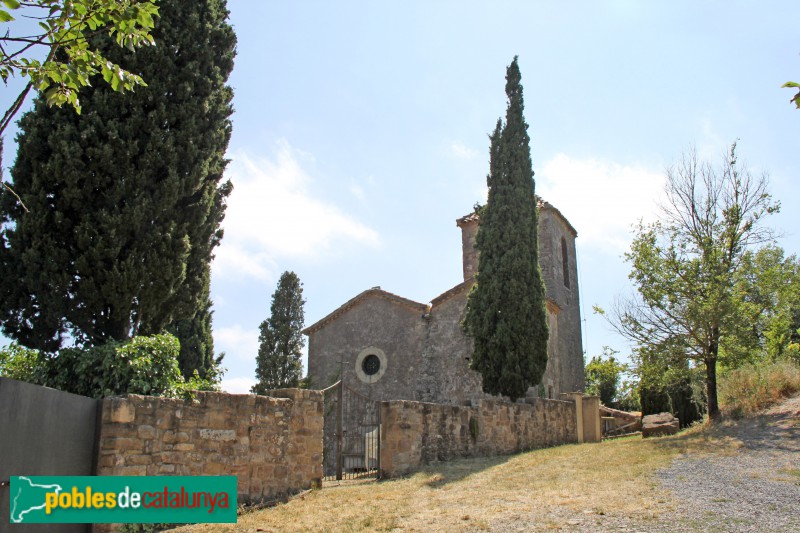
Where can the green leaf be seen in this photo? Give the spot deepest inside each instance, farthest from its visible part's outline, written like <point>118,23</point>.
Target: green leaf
<point>5,16</point>
<point>11,4</point>
<point>790,84</point>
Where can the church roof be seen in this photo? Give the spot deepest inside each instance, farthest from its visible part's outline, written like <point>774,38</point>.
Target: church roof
<point>373,292</point>
<point>446,295</point>
<point>540,203</point>
<point>546,206</point>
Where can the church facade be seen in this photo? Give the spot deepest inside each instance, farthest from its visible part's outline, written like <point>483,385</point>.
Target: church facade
<point>391,348</point>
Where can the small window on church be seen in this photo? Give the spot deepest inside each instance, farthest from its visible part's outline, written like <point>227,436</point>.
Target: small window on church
<point>550,392</point>
<point>371,365</point>
<point>564,262</point>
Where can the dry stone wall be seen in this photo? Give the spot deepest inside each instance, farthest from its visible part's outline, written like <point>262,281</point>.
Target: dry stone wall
<point>273,445</point>
<point>416,433</point>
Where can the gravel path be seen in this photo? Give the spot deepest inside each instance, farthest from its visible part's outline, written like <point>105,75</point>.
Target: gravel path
<point>757,489</point>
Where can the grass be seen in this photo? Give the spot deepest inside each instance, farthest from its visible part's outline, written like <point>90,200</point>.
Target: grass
<point>551,488</point>
<point>749,389</point>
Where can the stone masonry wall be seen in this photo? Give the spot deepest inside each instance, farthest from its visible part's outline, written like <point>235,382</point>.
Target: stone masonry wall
<point>272,444</point>
<point>415,433</point>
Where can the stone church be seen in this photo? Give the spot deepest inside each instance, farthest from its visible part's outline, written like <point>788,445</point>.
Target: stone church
<point>391,348</point>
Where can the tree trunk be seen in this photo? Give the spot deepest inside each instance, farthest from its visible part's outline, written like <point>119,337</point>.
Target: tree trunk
<point>711,374</point>
<point>711,388</point>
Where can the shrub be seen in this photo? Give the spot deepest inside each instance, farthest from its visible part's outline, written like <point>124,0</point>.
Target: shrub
<point>751,388</point>
<point>603,377</point>
<point>18,362</point>
<point>142,365</point>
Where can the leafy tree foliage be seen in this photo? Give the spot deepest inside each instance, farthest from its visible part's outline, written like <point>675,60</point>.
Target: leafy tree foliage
<point>628,396</point>
<point>506,315</point>
<point>65,41</point>
<point>766,322</point>
<point>763,330</point>
<point>142,365</point>
<point>671,386</point>
<point>126,199</point>
<point>796,97</point>
<point>603,375</point>
<point>685,266</point>
<point>281,342</point>
<point>18,362</point>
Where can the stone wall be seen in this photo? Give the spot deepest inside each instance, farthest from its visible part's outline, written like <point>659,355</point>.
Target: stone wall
<point>416,433</point>
<point>272,444</point>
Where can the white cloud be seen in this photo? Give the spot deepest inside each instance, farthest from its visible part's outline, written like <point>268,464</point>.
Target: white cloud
<point>234,259</point>
<point>461,151</point>
<point>237,343</point>
<point>358,192</point>
<point>602,199</point>
<point>237,385</point>
<point>273,213</point>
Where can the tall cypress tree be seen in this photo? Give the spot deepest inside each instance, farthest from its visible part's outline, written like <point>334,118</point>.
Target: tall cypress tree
<point>506,315</point>
<point>281,342</point>
<point>197,343</point>
<point>125,199</point>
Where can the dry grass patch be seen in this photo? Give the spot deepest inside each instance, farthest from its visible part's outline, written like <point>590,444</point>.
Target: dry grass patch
<point>543,489</point>
<point>747,390</point>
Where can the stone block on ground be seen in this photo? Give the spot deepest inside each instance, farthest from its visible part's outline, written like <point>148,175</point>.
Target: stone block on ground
<point>659,425</point>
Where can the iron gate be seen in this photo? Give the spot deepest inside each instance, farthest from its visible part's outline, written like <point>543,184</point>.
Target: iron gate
<point>352,435</point>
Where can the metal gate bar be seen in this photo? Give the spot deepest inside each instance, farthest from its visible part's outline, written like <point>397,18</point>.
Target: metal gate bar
<point>351,434</point>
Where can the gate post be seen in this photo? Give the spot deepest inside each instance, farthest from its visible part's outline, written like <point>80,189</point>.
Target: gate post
<point>339,415</point>
<point>380,437</point>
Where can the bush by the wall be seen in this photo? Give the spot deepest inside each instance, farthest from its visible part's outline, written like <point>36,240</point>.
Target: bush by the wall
<point>142,365</point>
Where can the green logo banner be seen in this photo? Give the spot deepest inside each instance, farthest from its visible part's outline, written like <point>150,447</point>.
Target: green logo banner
<point>122,499</point>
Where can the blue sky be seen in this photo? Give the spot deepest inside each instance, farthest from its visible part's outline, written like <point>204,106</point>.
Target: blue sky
<point>360,135</point>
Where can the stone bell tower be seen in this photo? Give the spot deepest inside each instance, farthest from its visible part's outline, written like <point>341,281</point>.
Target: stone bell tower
<point>469,254</point>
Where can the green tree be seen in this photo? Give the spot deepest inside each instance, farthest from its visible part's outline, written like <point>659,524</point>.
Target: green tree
<point>64,40</point>
<point>126,199</point>
<point>667,383</point>
<point>142,365</point>
<point>603,375</point>
<point>281,342</point>
<point>685,265</point>
<point>197,342</point>
<point>18,362</point>
<point>796,97</point>
<point>768,312</point>
<point>506,315</point>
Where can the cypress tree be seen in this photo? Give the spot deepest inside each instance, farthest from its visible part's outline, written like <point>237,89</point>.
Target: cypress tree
<point>281,342</point>
<point>125,199</point>
<point>506,315</point>
<point>197,343</point>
